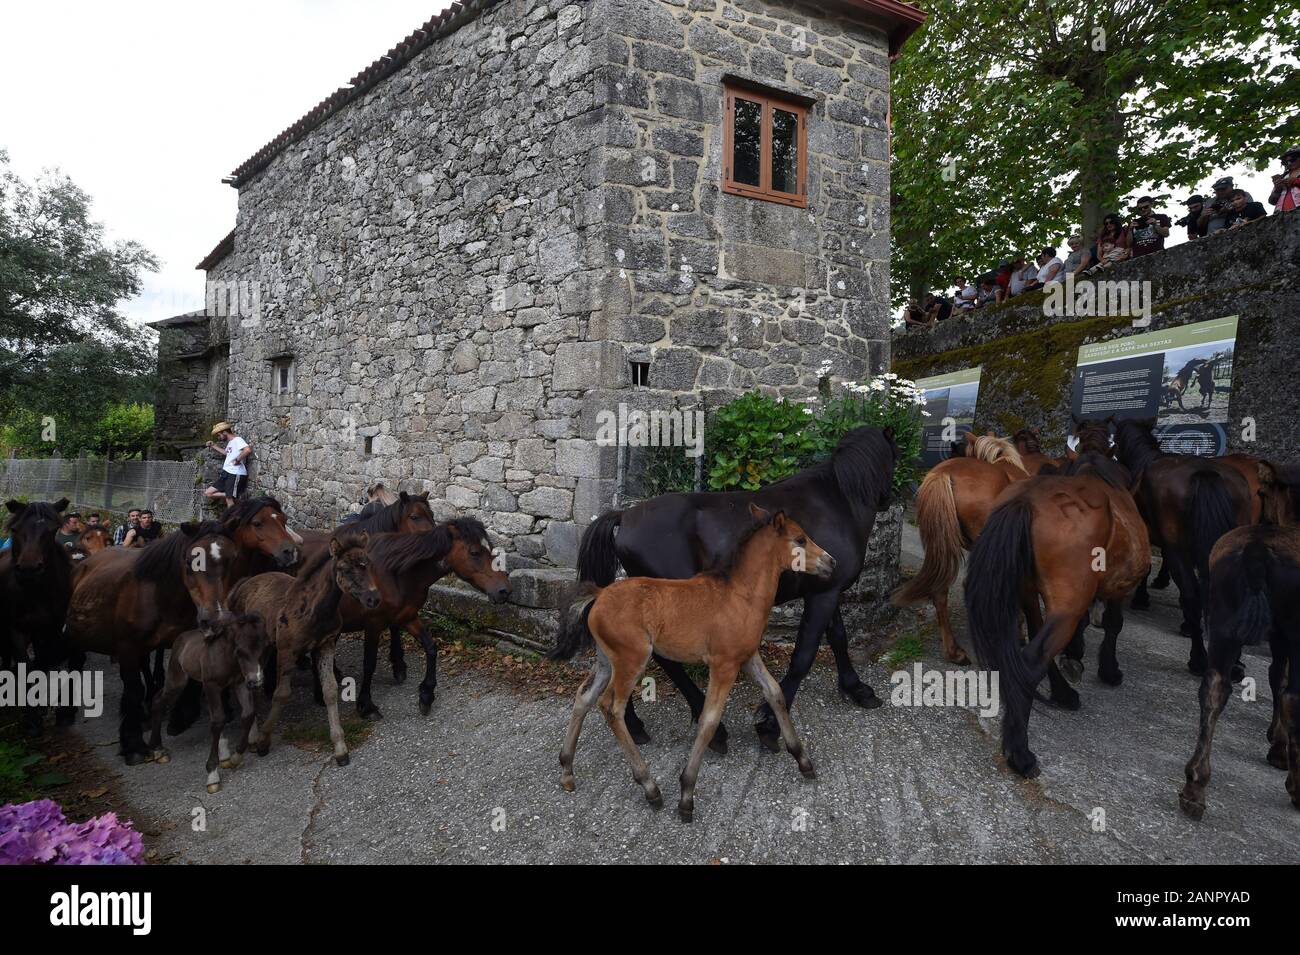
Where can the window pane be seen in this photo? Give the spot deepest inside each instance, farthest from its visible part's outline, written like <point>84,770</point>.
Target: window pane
<point>785,151</point>
<point>746,132</point>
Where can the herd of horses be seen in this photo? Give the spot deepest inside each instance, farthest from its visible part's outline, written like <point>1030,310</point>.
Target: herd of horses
<point>242,600</point>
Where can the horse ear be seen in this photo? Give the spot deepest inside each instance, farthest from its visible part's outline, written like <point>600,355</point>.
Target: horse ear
<point>778,521</point>
<point>757,513</point>
<point>1075,418</point>
<point>14,506</point>
<point>1267,473</point>
<point>404,497</point>
<point>425,497</point>
<point>61,504</point>
<point>335,547</point>
<point>888,432</point>
<point>189,528</point>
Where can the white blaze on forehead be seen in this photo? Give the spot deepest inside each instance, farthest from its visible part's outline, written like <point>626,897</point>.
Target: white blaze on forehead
<point>293,535</point>
<point>486,543</point>
<point>215,550</point>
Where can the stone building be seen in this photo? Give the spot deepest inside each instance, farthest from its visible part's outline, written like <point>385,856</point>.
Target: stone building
<point>529,212</point>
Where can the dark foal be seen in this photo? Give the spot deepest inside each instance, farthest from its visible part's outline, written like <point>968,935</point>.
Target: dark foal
<point>228,658</point>
<point>1254,595</point>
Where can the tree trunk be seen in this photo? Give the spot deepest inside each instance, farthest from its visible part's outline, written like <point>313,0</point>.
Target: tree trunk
<point>1097,179</point>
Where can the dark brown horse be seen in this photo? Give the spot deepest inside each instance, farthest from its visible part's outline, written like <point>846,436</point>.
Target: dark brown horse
<point>1072,539</point>
<point>129,602</point>
<point>1188,503</point>
<point>1029,444</point>
<point>35,584</point>
<point>302,621</point>
<point>406,566</point>
<point>1254,595</point>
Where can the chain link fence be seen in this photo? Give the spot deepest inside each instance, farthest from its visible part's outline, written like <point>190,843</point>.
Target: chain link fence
<point>171,489</point>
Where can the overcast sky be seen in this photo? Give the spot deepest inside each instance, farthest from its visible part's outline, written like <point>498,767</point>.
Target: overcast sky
<point>147,105</point>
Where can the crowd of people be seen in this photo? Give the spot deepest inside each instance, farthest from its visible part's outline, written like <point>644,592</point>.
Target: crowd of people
<point>1119,239</point>
<point>139,528</point>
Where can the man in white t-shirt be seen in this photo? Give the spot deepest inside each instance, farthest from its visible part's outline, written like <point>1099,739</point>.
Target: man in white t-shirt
<point>229,486</point>
<point>1050,267</point>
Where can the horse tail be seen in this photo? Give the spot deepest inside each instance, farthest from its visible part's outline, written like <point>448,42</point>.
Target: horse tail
<point>936,515</point>
<point>1003,556</point>
<point>1211,513</point>
<point>1242,580</point>
<point>574,635</point>
<point>597,558</point>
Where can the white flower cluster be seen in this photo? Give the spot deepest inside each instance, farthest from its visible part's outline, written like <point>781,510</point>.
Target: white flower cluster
<point>891,386</point>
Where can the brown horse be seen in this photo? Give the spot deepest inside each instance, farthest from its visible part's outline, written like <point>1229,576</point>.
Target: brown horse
<point>129,602</point>
<point>1254,594</point>
<point>302,619</point>
<point>1072,539</point>
<point>1188,503</point>
<point>716,618</point>
<point>406,566</point>
<point>952,505</point>
<point>230,658</point>
<point>1029,443</point>
<point>35,584</point>
<point>93,539</point>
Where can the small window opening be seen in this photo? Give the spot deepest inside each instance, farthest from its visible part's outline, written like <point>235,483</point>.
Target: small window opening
<point>369,444</point>
<point>640,373</point>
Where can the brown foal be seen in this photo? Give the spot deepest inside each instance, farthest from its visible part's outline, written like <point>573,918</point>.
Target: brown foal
<point>717,618</point>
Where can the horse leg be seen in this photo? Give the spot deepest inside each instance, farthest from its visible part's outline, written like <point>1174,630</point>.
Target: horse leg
<point>1141,598</point>
<point>613,705</point>
<point>587,695</point>
<point>429,684</point>
<point>330,689</point>
<point>1189,599</point>
<point>817,613</point>
<point>173,684</point>
<point>217,717</point>
<point>852,689</point>
<point>1291,716</point>
<point>951,650</point>
<point>721,677</point>
<point>694,699</point>
<point>1057,630</point>
<point>1112,620</point>
<point>67,715</point>
<point>757,672</point>
<point>261,736</point>
<point>1277,680</point>
<point>186,711</point>
<point>396,655</point>
<point>365,705</point>
<point>130,732</point>
<point>1215,690</point>
<point>1162,578</point>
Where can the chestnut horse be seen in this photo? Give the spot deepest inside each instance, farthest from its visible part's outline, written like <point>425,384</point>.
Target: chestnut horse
<point>302,620</point>
<point>129,602</point>
<point>1188,503</point>
<point>951,507</point>
<point>93,539</point>
<point>1072,538</point>
<point>1254,595</point>
<point>717,618</point>
<point>35,584</point>
<point>406,566</point>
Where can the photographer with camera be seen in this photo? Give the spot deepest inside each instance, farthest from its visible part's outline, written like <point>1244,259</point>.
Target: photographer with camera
<point>1148,228</point>
<point>1192,221</point>
<point>1285,196</point>
<point>1217,211</point>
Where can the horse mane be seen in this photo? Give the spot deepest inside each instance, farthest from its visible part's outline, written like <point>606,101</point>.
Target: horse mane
<point>992,449</point>
<point>386,520</point>
<point>160,560</point>
<point>1030,440</point>
<point>1102,466</point>
<point>1133,439</point>
<point>470,528</point>
<point>244,509</point>
<point>854,466</point>
<point>398,553</point>
<point>727,566</point>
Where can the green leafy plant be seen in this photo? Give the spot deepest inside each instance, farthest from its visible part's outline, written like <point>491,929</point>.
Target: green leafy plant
<point>755,440</point>
<point>667,470</point>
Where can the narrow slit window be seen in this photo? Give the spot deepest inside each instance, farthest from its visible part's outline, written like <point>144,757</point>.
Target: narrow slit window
<point>640,373</point>
<point>765,146</point>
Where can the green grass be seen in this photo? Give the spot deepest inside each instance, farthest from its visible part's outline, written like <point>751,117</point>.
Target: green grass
<point>315,733</point>
<point>909,648</point>
<point>22,777</point>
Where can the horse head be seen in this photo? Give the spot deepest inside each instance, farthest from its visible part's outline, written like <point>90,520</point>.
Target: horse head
<point>1279,494</point>
<point>795,550</point>
<point>32,528</point>
<point>94,539</point>
<point>207,554</point>
<point>415,516</point>
<point>472,560</point>
<point>353,572</point>
<point>249,641</point>
<point>259,524</point>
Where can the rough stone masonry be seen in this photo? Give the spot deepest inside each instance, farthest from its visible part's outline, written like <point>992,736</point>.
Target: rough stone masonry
<point>459,264</point>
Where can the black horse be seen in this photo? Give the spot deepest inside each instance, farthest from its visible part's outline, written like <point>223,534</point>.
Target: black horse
<point>679,535</point>
<point>35,584</point>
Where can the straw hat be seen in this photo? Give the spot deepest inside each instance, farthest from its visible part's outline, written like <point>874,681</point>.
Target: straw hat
<point>221,426</point>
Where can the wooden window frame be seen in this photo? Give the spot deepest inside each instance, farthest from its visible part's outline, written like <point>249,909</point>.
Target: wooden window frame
<point>768,99</point>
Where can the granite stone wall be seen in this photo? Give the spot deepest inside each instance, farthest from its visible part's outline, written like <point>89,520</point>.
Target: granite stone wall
<point>1029,358</point>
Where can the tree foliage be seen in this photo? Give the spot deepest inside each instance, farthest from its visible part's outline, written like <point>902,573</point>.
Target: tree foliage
<point>1015,121</point>
<point>67,354</point>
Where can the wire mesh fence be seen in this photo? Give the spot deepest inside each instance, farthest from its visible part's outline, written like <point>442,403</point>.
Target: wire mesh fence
<point>171,489</point>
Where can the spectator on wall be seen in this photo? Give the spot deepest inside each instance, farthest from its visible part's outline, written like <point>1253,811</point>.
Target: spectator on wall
<point>1114,243</point>
<point>1024,275</point>
<point>229,486</point>
<point>1243,210</point>
<point>1148,228</point>
<point>938,308</point>
<point>1002,278</point>
<point>1050,267</point>
<point>132,521</point>
<point>989,291</point>
<point>1285,196</point>
<point>914,315</point>
<point>1192,221</point>
<point>967,296</point>
<point>1080,258</point>
<point>1214,216</point>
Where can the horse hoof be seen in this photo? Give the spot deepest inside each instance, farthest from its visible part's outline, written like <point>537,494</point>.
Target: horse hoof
<point>342,760</point>
<point>262,749</point>
<point>425,706</point>
<point>369,712</point>
<point>1066,701</point>
<point>686,813</point>
<point>1112,677</point>
<point>861,695</point>
<point>162,757</point>
<point>959,657</point>
<point>134,758</point>
<point>770,741</point>
<point>810,772</point>
<point>214,788</point>
<point>1196,666</point>
<point>230,763</point>
<point>1191,807</point>
<point>1160,583</point>
<point>1277,756</point>
<point>399,673</point>
<point>641,737</point>
<point>719,742</point>
<point>655,799</point>
<point>568,784</point>
<point>1071,669</point>
<point>1026,766</point>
